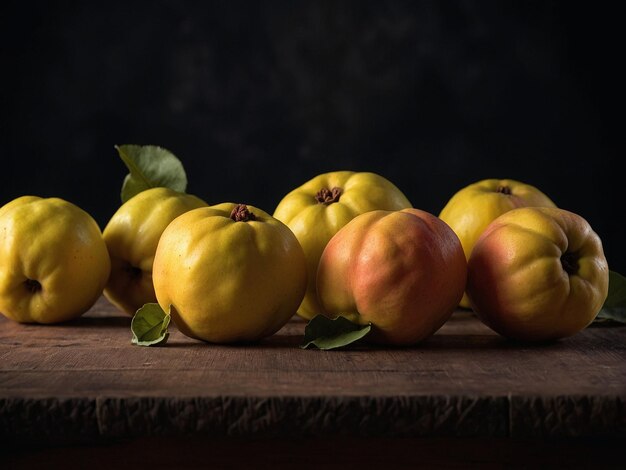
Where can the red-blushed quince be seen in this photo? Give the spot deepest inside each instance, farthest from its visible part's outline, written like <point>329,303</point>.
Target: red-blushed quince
<point>475,206</point>
<point>402,271</point>
<point>537,274</point>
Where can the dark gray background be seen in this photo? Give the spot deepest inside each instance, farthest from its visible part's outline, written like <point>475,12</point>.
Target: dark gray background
<point>258,97</point>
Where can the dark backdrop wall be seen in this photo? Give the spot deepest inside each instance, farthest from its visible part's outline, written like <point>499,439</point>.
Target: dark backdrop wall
<point>258,97</point>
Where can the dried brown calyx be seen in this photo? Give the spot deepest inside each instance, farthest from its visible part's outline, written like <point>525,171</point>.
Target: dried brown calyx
<point>569,261</point>
<point>504,190</point>
<point>32,285</point>
<point>328,196</point>
<point>241,213</point>
<point>133,271</point>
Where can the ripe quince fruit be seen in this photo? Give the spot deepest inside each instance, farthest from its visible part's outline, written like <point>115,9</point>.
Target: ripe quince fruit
<point>475,206</point>
<point>316,210</point>
<point>229,273</point>
<point>402,271</point>
<point>132,235</point>
<point>53,260</point>
<point>538,273</point>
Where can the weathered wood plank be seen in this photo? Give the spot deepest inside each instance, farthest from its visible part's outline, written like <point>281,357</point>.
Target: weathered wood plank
<point>567,416</point>
<point>86,377</point>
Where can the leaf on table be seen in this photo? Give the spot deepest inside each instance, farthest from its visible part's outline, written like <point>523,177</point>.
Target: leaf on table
<point>149,325</point>
<point>614,308</point>
<point>150,166</point>
<point>325,333</point>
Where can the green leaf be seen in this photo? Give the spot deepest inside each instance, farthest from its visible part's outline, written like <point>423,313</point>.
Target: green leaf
<point>150,167</point>
<point>149,325</point>
<point>614,307</point>
<point>325,333</point>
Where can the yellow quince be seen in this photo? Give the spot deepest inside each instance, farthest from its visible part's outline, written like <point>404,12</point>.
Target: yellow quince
<point>53,260</point>
<point>320,207</point>
<point>475,206</point>
<point>132,235</point>
<point>229,273</point>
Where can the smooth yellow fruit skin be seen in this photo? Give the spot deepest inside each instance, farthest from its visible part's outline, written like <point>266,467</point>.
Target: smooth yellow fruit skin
<point>132,235</point>
<point>474,207</point>
<point>229,281</point>
<point>314,223</point>
<point>60,246</point>
<point>517,282</point>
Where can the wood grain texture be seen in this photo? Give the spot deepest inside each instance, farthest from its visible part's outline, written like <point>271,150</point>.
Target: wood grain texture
<point>85,379</point>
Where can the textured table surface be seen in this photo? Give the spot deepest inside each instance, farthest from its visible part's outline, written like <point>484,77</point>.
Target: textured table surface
<point>85,379</point>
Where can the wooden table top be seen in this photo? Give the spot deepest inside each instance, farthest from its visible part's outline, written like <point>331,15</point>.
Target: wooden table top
<point>85,378</point>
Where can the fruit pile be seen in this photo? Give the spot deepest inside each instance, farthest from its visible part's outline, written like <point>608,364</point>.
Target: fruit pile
<point>344,245</point>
